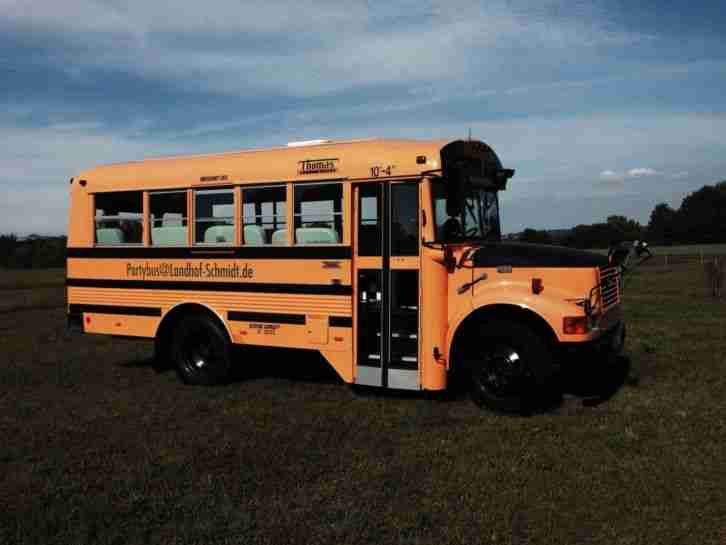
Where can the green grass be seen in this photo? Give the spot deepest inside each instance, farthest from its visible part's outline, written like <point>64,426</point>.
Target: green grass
<point>691,249</point>
<point>100,448</point>
<point>12,279</point>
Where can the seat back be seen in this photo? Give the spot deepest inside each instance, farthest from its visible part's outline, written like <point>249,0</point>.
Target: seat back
<point>219,233</point>
<point>254,235</point>
<point>279,237</point>
<point>163,236</point>
<point>316,235</point>
<point>109,235</point>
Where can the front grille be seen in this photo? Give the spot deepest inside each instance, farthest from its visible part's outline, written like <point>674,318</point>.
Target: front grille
<point>609,287</point>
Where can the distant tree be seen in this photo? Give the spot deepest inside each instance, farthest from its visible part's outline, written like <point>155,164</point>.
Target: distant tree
<point>663,225</point>
<point>8,244</point>
<point>622,228</point>
<point>33,252</point>
<point>535,236</point>
<point>602,235</point>
<point>702,215</point>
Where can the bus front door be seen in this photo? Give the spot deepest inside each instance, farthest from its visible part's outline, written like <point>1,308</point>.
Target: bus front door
<point>386,269</point>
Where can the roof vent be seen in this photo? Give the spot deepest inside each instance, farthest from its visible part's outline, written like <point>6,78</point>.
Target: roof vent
<point>302,143</point>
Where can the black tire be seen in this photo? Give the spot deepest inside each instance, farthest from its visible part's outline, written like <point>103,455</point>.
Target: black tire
<point>509,366</point>
<point>200,350</point>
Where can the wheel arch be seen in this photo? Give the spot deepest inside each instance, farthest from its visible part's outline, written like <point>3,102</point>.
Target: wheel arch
<point>493,312</point>
<point>172,317</point>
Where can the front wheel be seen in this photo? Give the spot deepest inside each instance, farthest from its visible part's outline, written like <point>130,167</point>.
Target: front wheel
<point>200,350</point>
<point>509,365</point>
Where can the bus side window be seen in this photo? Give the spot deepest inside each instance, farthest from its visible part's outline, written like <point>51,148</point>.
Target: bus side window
<point>318,213</point>
<point>214,216</point>
<point>404,218</point>
<point>119,218</point>
<point>168,218</point>
<point>369,223</point>
<point>264,216</point>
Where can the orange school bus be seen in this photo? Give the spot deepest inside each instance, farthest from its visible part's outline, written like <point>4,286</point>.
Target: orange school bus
<point>383,255</point>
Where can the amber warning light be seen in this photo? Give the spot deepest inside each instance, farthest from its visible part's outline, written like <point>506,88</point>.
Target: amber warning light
<point>575,325</point>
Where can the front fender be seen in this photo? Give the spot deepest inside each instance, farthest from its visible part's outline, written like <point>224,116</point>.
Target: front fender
<point>551,306</point>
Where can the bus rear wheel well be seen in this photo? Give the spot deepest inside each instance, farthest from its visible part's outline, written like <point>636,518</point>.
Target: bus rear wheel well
<point>471,324</point>
<point>169,323</point>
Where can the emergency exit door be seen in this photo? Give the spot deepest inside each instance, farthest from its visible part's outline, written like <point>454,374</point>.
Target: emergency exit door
<point>387,285</point>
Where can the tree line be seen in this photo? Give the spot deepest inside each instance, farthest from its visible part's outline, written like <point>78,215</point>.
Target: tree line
<point>33,252</point>
<point>700,219</point>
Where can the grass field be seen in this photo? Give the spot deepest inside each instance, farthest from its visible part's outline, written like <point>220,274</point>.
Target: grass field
<point>100,448</point>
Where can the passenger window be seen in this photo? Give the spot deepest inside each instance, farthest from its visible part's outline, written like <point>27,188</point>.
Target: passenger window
<point>369,223</point>
<point>264,216</point>
<point>404,219</point>
<point>319,214</point>
<point>119,218</point>
<point>214,216</point>
<point>168,211</point>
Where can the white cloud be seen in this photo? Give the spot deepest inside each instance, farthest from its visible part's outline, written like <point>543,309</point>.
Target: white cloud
<point>610,175</point>
<point>640,172</point>
<point>309,48</point>
<point>613,176</point>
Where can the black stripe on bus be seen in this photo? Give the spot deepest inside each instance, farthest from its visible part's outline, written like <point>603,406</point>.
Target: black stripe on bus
<point>250,287</point>
<point>220,252</point>
<point>112,309</point>
<point>340,321</point>
<point>272,318</point>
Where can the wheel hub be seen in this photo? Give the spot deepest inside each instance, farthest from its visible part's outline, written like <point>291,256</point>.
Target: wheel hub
<point>502,370</point>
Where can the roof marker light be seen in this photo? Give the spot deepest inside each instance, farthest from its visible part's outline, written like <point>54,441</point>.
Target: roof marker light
<point>303,143</point>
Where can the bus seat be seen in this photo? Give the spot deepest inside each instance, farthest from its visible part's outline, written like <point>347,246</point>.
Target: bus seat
<point>279,237</point>
<point>172,219</point>
<point>254,235</point>
<point>169,235</point>
<point>109,235</point>
<point>219,233</point>
<point>316,235</point>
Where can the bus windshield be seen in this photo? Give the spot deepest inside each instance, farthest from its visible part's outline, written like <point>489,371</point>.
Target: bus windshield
<point>479,218</point>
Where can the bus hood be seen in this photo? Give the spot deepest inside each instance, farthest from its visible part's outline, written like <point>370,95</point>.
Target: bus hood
<point>521,254</point>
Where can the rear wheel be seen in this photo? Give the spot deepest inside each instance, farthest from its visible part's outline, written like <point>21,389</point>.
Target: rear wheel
<point>510,367</point>
<point>200,350</point>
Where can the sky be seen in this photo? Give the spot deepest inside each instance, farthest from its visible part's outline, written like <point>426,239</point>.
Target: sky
<point>602,107</point>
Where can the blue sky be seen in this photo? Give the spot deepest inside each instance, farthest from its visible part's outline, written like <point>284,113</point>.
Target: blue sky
<point>602,107</point>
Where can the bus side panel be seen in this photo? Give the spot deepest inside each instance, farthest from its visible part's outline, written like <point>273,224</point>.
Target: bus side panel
<point>433,321</point>
<point>120,324</point>
<point>342,362</point>
<point>80,217</point>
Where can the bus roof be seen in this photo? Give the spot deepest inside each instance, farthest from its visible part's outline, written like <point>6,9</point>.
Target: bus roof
<point>355,159</point>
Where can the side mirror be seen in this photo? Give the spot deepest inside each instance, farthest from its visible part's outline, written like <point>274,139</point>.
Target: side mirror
<point>449,260</point>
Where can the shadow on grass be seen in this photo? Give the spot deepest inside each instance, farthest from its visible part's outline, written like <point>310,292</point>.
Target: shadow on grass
<point>596,385</point>
<point>592,384</point>
<point>253,363</point>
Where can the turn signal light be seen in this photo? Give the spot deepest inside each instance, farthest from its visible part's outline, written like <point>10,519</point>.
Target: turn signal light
<point>575,325</point>
<point>537,286</point>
